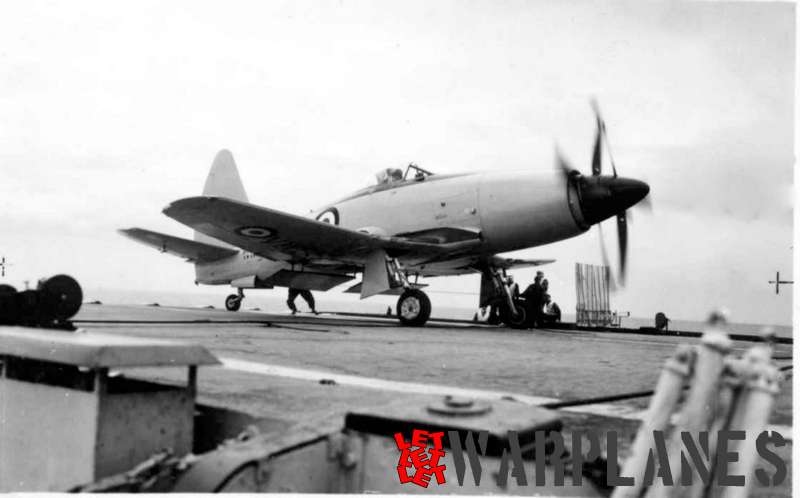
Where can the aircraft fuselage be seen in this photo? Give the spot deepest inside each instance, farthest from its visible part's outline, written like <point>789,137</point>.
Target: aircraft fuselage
<point>508,210</point>
<point>505,211</point>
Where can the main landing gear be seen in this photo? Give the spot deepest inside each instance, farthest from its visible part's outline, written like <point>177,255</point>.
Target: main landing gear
<point>515,320</point>
<point>512,312</point>
<point>234,301</point>
<point>413,306</point>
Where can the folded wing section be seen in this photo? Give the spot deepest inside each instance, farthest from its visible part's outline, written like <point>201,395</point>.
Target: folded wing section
<point>191,250</point>
<point>286,237</point>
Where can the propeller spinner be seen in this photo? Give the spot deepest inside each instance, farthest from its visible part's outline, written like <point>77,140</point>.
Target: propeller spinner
<point>601,196</point>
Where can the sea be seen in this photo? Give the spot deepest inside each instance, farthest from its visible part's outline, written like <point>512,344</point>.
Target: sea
<point>274,301</point>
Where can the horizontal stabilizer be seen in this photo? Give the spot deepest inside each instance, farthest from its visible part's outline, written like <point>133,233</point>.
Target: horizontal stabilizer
<point>191,250</point>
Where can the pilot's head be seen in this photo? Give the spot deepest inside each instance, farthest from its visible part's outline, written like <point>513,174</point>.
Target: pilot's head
<point>539,276</point>
<point>395,174</point>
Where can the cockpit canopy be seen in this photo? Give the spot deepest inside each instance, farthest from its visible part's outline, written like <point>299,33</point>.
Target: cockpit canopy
<point>389,175</point>
<point>393,175</point>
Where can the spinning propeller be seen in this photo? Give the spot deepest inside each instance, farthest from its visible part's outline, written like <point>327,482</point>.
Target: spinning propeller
<point>601,196</point>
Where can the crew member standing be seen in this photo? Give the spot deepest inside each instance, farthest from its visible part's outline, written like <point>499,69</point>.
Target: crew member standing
<point>533,298</point>
<point>305,294</point>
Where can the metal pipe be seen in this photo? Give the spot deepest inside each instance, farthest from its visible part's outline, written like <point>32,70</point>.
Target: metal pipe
<point>751,415</point>
<point>667,393</point>
<point>729,394</point>
<point>701,403</point>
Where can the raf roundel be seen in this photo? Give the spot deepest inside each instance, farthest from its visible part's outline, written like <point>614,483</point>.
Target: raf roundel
<point>255,232</point>
<point>329,216</point>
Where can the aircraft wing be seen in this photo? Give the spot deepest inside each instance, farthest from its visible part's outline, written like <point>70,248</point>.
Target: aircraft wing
<point>185,248</point>
<point>286,237</point>
<point>506,263</point>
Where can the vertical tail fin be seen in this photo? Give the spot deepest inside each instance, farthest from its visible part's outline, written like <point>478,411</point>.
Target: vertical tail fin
<point>223,181</point>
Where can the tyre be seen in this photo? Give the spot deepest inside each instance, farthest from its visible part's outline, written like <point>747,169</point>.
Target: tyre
<point>518,321</point>
<point>233,302</point>
<point>413,308</point>
<point>61,297</point>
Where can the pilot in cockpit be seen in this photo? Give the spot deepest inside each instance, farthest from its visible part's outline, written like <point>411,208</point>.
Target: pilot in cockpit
<point>389,175</point>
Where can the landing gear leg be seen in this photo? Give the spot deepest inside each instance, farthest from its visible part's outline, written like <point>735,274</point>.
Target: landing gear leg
<point>413,306</point>
<point>511,313</point>
<point>234,301</point>
<point>518,320</point>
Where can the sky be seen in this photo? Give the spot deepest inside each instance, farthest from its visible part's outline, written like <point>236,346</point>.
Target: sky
<point>112,110</point>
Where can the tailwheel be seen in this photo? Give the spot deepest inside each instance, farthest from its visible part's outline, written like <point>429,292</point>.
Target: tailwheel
<point>233,302</point>
<point>413,308</point>
<point>518,320</point>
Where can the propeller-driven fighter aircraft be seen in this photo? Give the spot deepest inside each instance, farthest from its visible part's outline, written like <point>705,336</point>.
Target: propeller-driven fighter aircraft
<point>408,225</point>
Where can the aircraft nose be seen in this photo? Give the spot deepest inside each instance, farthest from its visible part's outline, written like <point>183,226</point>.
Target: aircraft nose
<point>605,196</point>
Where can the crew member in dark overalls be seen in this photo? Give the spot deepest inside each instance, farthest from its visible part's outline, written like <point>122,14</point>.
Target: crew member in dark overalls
<point>305,294</point>
<point>533,299</point>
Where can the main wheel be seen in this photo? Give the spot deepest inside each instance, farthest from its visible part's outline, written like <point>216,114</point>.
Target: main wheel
<point>413,308</point>
<point>233,302</point>
<point>515,321</point>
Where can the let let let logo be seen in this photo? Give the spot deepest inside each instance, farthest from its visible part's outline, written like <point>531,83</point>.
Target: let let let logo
<point>419,462</point>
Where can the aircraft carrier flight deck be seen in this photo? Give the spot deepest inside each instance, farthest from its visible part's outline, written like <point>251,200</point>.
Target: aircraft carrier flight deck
<point>307,370</point>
